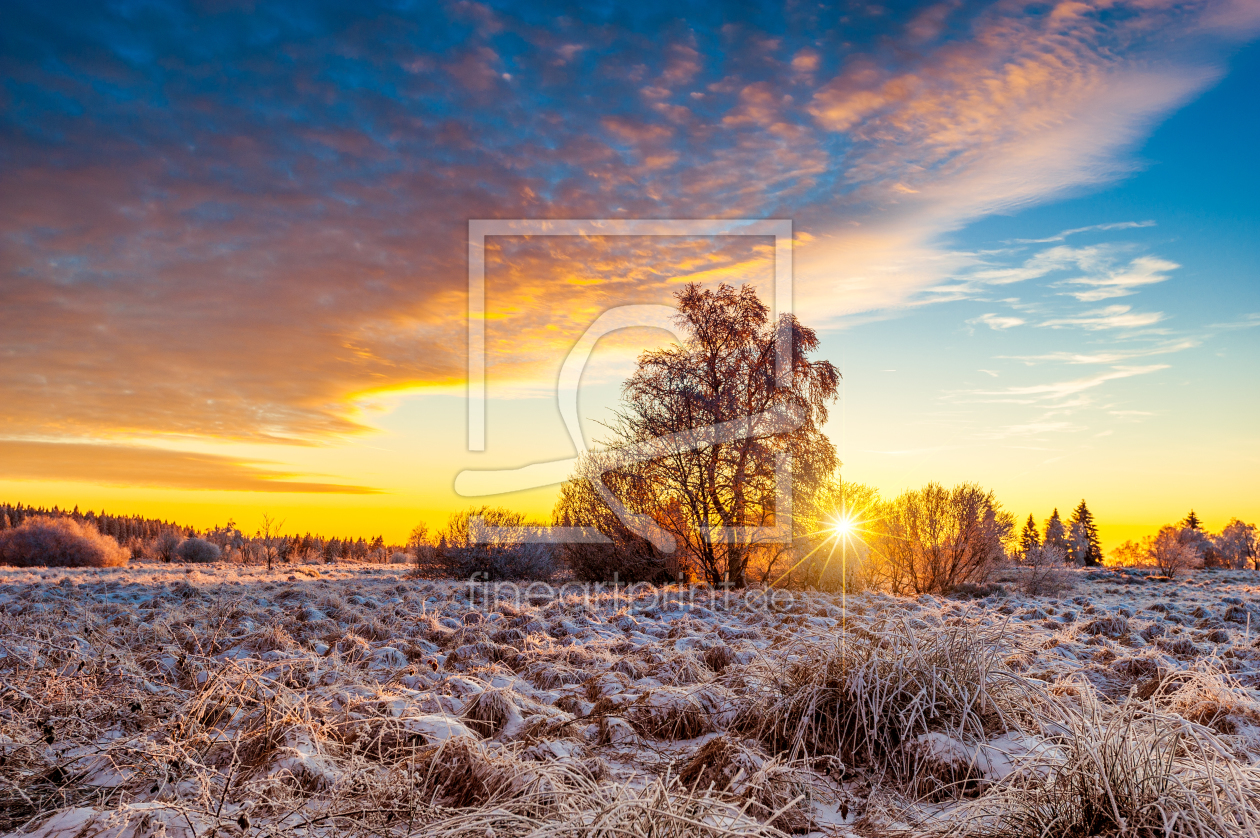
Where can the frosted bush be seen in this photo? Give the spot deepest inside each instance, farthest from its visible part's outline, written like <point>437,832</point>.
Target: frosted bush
<point>164,547</point>
<point>59,542</point>
<point>198,550</point>
<point>465,552</point>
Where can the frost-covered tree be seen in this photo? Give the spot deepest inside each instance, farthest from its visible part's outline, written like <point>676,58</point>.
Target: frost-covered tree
<point>227,536</point>
<point>1129,554</point>
<point>1029,539</point>
<point>1078,544</point>
<point>1056,534</point>
<point>722,375</point>
<point>1237,545</point>
<point>1083,544</point>
<point>1191,534</point>
<point>1168,553</point>
<point>1198,540</point>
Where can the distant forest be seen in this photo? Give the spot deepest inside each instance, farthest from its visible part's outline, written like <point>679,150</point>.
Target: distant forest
<point>142,535</point>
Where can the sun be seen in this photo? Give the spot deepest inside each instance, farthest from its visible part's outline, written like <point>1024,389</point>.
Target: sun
<point>842,526</point>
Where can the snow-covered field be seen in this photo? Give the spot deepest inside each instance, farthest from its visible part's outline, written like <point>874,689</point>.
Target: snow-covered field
<point>330,700</point>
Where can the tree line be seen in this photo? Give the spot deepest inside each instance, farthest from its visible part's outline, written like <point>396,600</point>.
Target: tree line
<point>161,540</point>
<point>1077,542</point>
<point>1188,544</point>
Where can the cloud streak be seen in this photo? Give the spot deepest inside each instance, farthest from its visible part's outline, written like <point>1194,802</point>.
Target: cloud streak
<point>1110,317</point>
<point>1108,356</point>
<point>1092,228</point>
<point>132,465</point>
<point>1057,391</point>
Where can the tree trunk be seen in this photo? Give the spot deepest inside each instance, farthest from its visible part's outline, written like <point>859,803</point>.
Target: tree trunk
<point>736,569</point>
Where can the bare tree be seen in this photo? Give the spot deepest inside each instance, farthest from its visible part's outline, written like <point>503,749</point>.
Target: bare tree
<point>706,483</point>
<point>268,540</point>
<point>422,549</point>
<point>1169,553</point>
<point>934,539</point>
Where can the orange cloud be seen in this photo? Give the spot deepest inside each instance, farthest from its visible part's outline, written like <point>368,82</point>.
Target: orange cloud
<point>129,465</point>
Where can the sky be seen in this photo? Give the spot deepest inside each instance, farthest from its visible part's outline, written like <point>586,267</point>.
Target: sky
<point>234,242</point>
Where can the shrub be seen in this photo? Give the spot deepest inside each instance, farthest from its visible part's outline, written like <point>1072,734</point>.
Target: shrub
<point>198,550</point>
<point>625,556</point>
<point>1045,571</point>
<point>59,542</point>
<point>465,552</point>
<point>164,546</point>
<point>934,539</point>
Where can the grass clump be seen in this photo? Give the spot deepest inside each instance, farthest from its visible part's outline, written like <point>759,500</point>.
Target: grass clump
<point>1127,771</point>
<point>777,792</point>
<point>863,697</point>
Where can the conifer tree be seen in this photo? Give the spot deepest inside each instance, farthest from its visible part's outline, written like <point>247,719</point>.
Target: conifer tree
<point>1030,538</point>
<point>1193,536</point>
<point>1084,546</point>
<point>1056,534</point>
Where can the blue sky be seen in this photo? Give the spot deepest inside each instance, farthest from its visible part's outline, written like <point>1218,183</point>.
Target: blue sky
<point>1175,437</point>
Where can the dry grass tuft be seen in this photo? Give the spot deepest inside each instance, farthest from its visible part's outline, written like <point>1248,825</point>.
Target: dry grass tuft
<point>719,657</point>
<point>490,712</point>
<point>771,790</point>
<point>1114,627</point>
<point>864,696</point>
<point>1128,771</point>
<point>673,713</point>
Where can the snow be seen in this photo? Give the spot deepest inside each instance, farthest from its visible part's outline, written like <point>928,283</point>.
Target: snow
<point>625,681</point>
